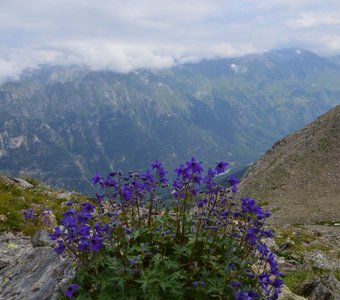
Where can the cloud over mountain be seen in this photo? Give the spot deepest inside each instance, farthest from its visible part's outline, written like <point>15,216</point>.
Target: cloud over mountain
<point>126,35</point>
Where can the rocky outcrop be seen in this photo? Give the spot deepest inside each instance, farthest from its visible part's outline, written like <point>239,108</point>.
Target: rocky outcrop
<point>298,178</point>
<point>31,273</point>
<point>287,294</point>
<point>23,183</point>
<point>320,261</point>
<point>323,288</point>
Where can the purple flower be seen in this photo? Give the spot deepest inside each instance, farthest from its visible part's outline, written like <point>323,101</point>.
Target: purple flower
<point>84,217</point>
<point>133,261</point>
<point>241,295</point>
<point>263,249</point>
<point>88,207</point>
<point>28,214</point>
<point>233,180</point>
<point>225,213</point>
<point>200,203</point>
<point>196,284</point>
<point>70,212</point>
<point>96,178</point>
<point>211,173</point>
<point>162,173</point>
<point>71,289</point>
<point>60,248</point>
<point>194,165</point>
<point>56,235</point>
<point>156,164</point>
<point>84,231</point>
<point>235,283</point>
<point>84,245</point>
<point>220,167</point>
<point>100,230</point>
<point>69,221</point>
<point>96,242</point>
<point>251,235</point>
<point>234,189</point>
<point>231,266</point>
<point>126,192</point>
<point>99,198</point>
<point>179,170</point>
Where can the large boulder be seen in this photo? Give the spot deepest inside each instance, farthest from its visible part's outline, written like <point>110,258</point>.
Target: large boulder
<point>29,273</point>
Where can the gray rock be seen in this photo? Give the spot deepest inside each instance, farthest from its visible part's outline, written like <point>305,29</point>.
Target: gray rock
<point>66,195</point>
<point>325,288</point>
<point>270,242</point>
<point>286,265</point>
<point>320,261</point>
<point>284,247</point>
<point>287,294</point>
<point>41,239</point>
<point>31,273</point>
<point>23,183</point>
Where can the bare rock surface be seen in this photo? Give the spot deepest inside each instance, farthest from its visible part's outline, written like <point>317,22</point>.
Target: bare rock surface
<point>320,261</point>
<point>30,273</point>
<point>23,183</point>
<point>287,294</point>
<point>323,288</point>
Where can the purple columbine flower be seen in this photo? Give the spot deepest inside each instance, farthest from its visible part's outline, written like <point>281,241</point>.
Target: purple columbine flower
<point>71,289</point>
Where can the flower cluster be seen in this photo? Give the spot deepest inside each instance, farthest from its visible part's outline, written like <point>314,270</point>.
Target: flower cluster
<point>41,217</point>
<point>194,238</point>
<point>79,233</point>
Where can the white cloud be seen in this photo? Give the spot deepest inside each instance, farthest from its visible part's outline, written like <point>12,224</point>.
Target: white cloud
<point>123,35</point>
<point>313,19</point>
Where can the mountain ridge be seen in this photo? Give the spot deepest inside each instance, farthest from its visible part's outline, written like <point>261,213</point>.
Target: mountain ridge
<point>299,176</point>
<point>62,124</point>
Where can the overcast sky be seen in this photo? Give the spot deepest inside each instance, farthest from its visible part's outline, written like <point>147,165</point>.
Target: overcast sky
<point>127,34</point>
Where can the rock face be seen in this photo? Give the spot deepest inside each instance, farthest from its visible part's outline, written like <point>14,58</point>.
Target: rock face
<point>29,273</point>
<point>324,288</point>
<point>298,178</point>
<point>319,261</point>
<point>286,294</point>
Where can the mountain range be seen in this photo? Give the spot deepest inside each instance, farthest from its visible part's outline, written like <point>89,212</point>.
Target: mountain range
<point>63,123</point>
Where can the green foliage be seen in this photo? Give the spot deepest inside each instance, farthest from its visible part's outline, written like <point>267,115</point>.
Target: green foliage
<point>14,200</point>
<point>293,279</point>
<point>207,244</point>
